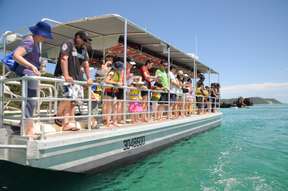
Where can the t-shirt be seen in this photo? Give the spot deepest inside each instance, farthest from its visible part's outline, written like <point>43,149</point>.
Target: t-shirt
<point>32,55</point>
<point>163,78</point>
<point>173,88</point>
<point>76,56</point>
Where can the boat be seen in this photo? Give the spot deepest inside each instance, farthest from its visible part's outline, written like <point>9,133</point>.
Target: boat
<point>94,149</point>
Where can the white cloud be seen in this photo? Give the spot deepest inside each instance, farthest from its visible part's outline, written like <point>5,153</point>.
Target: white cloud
<point>267,90</point>
<point>254,87</point>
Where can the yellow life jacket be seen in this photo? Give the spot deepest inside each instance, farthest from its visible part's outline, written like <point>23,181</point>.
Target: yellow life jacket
<point>96,94</point>
<point>198,91</point>
<point>135,94</point>
<point>206,93</point>
<point>156,96</point>
<point>116,76</point>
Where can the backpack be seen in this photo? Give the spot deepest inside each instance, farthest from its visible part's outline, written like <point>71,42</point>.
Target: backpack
<point>9,62</point>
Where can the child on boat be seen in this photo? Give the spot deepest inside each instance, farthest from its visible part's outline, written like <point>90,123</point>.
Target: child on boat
<point>156,87</point>
<point>111,93</point>
<point>135,107</point>
<point>96,96</point>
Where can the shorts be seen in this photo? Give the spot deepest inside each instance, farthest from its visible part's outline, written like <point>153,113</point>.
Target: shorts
<point>73,91</point>
<point>144,93</point>
<point>212,100</point>
<point>120,94</point>
<point>109,93</point>
<point>163,98</point>
<point>199,101</point>
<point>173,98</point>
<point>32,87</point>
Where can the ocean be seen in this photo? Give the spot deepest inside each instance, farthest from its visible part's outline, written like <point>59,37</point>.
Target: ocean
<point>249,151</point>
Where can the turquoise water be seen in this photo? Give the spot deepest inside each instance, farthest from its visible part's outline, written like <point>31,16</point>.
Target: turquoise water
<point>248,152</point>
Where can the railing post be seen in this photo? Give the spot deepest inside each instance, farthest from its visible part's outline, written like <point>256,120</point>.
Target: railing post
<point>203,106</point>
<point>4,53</point>
<point>149,104</point>
<point>219,94</point>
<point>1,101</point>
<point>184,104</point>
<point>89,108</point>
<point>169,83</point>
<point>125,75</point>
<point>56,96</point>
<point>195,84</point>
<point>42,127</point>
<point>23,106</point>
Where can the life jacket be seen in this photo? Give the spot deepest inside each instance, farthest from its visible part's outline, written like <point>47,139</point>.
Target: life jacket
<point>206,93</point>
<point>198,91</point>
<point>116,78</point>
<point>135,94</point>
<point>97,92</point>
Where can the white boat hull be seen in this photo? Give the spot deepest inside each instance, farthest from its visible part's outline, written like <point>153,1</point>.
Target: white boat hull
<point>98,149</point>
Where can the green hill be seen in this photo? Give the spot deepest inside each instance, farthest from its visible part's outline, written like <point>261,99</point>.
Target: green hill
<point>259,100</point>
<point>254,100</point>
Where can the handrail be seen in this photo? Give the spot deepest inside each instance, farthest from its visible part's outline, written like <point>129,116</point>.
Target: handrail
<point>13,146</point>
<point>187,103</point>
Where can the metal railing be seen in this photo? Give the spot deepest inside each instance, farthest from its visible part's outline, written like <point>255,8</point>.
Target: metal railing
<point>150,109</point>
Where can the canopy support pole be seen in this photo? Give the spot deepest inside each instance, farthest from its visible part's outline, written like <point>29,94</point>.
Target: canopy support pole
<point>4,52</point>
<point>2,84</point>
<point>125,75</point>
<point>209,100</point>
<point>209,77</point>
<point>168,75</point>
<point>195,83</point>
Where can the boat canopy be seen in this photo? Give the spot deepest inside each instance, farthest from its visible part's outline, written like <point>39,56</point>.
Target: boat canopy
<point>107,31</point>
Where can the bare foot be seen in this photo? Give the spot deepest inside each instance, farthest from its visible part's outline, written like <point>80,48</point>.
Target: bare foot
<point>33,137</point>
<point>69,127</point>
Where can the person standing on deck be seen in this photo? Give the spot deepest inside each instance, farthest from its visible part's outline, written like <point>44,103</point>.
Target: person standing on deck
<point>200,94</point>
<point>129,78</point>
<point>148,78</point>
<point>73,55</point>
<point>111,93</point>
<point>174,84</point>
<point>163,79</point>
<point>27,55</point>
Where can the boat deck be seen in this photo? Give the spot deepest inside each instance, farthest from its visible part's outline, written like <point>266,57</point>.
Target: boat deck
<point>104,132</point>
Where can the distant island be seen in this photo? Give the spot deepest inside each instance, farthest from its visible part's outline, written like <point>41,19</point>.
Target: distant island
<point>242,102</point>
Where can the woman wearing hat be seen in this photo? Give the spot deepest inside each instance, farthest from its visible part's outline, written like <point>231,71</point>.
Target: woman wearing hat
<point>27,55</point>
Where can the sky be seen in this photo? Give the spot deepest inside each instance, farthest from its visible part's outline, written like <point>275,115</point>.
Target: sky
<point>246,41</point>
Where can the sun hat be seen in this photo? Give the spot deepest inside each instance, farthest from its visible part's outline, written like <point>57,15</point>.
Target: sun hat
<point>42,29</point>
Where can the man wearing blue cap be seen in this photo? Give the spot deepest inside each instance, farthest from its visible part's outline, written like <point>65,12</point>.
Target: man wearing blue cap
<point>27,55</point>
